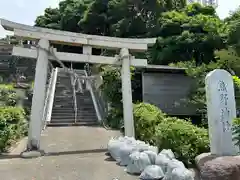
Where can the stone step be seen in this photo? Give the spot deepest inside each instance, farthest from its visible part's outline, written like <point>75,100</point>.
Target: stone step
<point>63,101</point>
<point>71,109</point>
<point>73,119</point>
<point>68,74</point>
<point>73,124</point>
<point>72,116</point>
<point>54,120</point>
<point>63,104</point>
<point>70,95</point>
<point>82,113</point>
<point>80,118</point>
<point>92,111</point>
<point>63,95</point>
<point>69,119</point>
<point>62,107</point>
<point>72,112</point>
<point>61,82</point>
<point>67,98</point>
<point>71,105</point>
<point>64,86</point>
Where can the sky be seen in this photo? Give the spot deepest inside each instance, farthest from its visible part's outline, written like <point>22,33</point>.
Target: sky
<point>26,11</point>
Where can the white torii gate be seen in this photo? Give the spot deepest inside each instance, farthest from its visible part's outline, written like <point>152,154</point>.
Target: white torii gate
<point>47,36</point>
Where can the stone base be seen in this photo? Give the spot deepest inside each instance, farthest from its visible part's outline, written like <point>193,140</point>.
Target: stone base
<point>201,159</point>
<point>214,167</point>
<point>32,154</point>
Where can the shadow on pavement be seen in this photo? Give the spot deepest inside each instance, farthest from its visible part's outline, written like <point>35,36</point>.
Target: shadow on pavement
<point>87,151</point>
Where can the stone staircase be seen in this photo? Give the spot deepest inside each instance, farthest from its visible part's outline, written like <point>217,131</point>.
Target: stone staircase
<point>63,106</point>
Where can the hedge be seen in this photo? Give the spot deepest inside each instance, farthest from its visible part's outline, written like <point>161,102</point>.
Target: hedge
<point>146,117</point>
<point>13,125</point>
<point>181,136</point>
<point>8,95</point>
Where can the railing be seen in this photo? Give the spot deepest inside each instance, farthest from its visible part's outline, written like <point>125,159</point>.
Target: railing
<point>99,102</point>
<point>47,113</point>
<point>74,98</point>
<point>47,99</point>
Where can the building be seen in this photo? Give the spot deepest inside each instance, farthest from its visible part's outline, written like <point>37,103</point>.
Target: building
<point>12,65</point>
<point>205,2</point>
<point>167,87</point>
<point>5,47</point>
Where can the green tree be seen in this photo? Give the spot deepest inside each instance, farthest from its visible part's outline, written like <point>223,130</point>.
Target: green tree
<point>50,19</point>
<point>122,18</point>
<point>233,22</point>
<point>193,33</point>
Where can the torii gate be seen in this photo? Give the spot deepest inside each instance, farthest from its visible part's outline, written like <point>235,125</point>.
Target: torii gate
<point>47,36</point>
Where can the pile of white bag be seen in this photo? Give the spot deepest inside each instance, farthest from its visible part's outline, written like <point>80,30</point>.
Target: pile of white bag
<point>141,158</point>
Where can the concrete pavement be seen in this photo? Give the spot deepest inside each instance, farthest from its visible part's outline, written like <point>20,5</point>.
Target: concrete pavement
<point>72,153</point>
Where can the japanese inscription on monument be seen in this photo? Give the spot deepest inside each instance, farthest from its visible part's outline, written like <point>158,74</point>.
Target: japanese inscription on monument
<point>224,110</point>
<point>221,109</point>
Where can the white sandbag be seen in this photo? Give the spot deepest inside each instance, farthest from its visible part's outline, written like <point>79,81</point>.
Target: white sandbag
<point>138,162</point>
<point>141,146</point>
<point>153,149</point>
<point>162,160</point>
<point>181,174</point>
<point>152,156</point>
<point>174,163</point>
<point>152,172</point>
<point>125,152</point>
<point>114,146</point>
<point>129,139</point>
<point>168,153</point>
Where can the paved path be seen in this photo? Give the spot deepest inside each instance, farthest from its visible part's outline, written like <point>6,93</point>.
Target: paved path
<point>73,153</point>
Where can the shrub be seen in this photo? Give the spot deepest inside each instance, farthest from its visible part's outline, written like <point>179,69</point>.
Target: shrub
<point>13,125</point>
<point>112,92</point>
<point>186,140</point>
<point>236,131</point>
<point>114,118</point>
<point>236,81</point>
<point>8,95</point>
<point>146,117</point>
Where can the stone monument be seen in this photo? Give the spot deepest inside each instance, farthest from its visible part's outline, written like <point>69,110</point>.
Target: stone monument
<point>221,110</point>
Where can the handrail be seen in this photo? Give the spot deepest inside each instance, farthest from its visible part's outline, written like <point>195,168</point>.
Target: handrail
<point>51,96</point>
<point>47,100</point>
<point>95,103</point>
<point>99,102</point>
<point>102,103</point>
<point>74,98</point>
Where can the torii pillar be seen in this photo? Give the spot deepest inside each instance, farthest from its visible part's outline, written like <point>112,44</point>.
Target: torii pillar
<point>35,125</point>
<point>127,93</point>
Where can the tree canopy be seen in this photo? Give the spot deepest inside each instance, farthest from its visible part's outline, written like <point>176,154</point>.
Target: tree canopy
<point>121,18</point>
<point>193,33</point>
<point>233,22</point>
<point>184,32</point>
